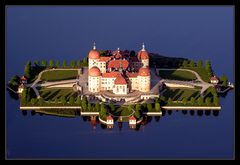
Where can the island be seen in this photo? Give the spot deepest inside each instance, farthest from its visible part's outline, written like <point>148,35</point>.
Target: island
<point>122,86</point>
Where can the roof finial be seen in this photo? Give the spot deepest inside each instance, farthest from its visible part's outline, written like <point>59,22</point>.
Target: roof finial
<point>118,49</point>
<point>143,47</point>
<point>94,45</point>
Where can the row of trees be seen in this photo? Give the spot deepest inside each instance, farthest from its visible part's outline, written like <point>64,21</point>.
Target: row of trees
<point>64,64</point>
<point>200,101</point>
<point>199,65</point>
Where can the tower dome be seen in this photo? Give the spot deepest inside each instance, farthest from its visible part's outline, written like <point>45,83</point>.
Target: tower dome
<point>143,54</point>
<point>94,54</point>
<point>144,71</point>
<point>94,71</point>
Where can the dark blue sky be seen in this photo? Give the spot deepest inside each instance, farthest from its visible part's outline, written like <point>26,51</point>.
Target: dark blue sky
<point>67,32</point>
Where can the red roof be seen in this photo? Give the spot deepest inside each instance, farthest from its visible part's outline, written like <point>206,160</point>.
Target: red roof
<point>110,74</point>
<point>143,55</point>
<point>120,80</point>
<point>94,71</point>
<point>23,78</point>
<point>109,118</point>
<point>214,78</point>
<point>118,63</point>
<point>144,71</point>
<point>132,118</point>
<point>94,54</point>
<point>105,59</point>
<point>131,74</point>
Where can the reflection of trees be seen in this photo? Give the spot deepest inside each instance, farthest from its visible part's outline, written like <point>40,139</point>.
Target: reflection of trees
<point>84,118</point>
<point>33,112</point>
<point>200,113</point>
<point>120,126</point>
<point>149,119</point>
<point>207,112</point>
<point>184,112</point>
<point>24,112</point>
<point>192,112</point>
<point>163,112</point>
<point>169,112</point>
<point>215,113</point>
<point>13,95</point>
<point>138,126</point>
<point>103,126</point>
<point>157,118</point>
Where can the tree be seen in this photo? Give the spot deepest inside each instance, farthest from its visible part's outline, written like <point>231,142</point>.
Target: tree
<point>112,107</point>
<point>89,106</point>
<point>97,107</point>
<point>137,114</point>
<point>200,101</point>
<point>149,106</point>
<point>15,80</point>
<point>132,53</point>
<point>184,101</point>
<point>103,111</point>
<point>56,101</point>
<point>57,63</point>
<point>78,101</point>
<point>103,107</point>
<point>130,107</point>
<point>192,64</point>
<point>138,107</point>
<point>27,70</point>
<point>84,105</point>
<point>170,101</point>
<point>200,64</point>
<point>162,99</point>
<point>28,96</point>
<point>215,100</point>
<point>63,100</point>
<point>71,100</point>
<point>85,61</point>
<point>44,63</point>
<point>72,63</point>
<point>102,53</point>
<point>40,101</point>
<point>185,63</point>
<point>51,63</point>
<point>208,100</point>
<point>224,80</point>
<point>36,63</point>
<point>192,100</point>
<point>79,63</point>
<point>64,63</point>
<point>208,67</point>
<point>157,106</point>
<point>33,101</point>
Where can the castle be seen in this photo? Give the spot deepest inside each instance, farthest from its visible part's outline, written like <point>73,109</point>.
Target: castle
<point>118,72</point>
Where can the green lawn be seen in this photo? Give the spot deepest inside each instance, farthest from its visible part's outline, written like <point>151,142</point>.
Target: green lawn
<point>179,94</point>
<point>56,75</point>
<point>201,71</point>
<point>177,75</point>
<point>52,94</point>
<point>59,112</point>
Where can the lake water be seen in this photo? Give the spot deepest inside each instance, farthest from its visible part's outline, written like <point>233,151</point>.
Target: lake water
<point>67,33</point>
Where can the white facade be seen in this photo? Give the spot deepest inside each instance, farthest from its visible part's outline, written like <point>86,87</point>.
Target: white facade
<point>105,78</point>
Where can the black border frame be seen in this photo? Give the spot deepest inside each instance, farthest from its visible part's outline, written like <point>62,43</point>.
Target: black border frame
<point>121,2</point>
